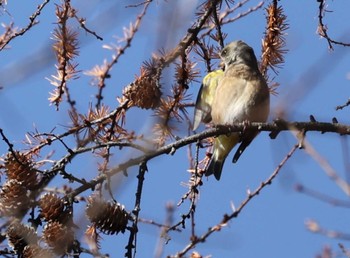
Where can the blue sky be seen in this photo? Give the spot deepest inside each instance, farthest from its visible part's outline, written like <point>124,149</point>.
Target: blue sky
<point>313,80</point>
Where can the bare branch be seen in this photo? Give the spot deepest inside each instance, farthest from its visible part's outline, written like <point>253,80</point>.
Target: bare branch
<point>170,148</point>
<point>322,28</point>
<point>234,214</point>
<point>32,23</point>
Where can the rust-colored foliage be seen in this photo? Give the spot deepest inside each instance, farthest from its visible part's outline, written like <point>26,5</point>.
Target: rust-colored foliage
<point>273,45</point>
<point>65,48</point>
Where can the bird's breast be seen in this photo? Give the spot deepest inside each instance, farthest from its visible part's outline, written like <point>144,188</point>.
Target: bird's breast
<point>237,100</point>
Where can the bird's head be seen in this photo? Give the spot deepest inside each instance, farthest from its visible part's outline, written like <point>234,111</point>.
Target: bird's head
<point>238,52</point>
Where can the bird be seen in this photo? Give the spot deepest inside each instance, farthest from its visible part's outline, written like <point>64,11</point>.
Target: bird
<point>239,94</point>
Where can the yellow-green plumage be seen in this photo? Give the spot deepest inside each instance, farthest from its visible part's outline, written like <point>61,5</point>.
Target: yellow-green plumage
<point>205,98</point>
<point>223,144</point>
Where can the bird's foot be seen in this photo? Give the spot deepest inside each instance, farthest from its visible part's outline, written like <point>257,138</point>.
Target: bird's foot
<point>246,125</point>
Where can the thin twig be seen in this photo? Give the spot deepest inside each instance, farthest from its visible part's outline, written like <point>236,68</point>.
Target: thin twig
<point>314,227</point>
<point>32,22</point>
<point>321,196</point>
<point>139,4</point>
<point>322,28</point>
<point>79,128</point>
<point>132,243</point>
<point>223,21</point>
<point>82,24</point>
<point>344,250</point>
<point>234,214</point>
<point>218,29</point>
<point>163,236</point>
<point>130,34</point>
<point>327,168</point>
<point>343,106</point>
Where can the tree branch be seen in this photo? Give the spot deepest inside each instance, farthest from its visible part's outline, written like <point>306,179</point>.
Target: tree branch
<point>235,213</point>
<point>171,148</point>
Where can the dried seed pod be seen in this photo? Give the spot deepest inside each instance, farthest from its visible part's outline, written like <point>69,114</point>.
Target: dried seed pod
<point>143,93</point>
<point>19,236</point>
<point>110,218</point>
<point>51,207</point>
<point>20,167</point>
<point>58,236</point>
<point>13,198</point>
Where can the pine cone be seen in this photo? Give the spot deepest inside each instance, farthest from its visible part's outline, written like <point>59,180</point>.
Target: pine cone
<point>13,198</point>
<point>19,236</point>
<point>51,207</point>
<point>20,168</point>
<point>143,93</point>
<point>110,218</point>
<point>35,251</point>
<point>58,236</point>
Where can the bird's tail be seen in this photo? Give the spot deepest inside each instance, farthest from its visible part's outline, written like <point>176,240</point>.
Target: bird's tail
<point>223,144</point>
<point>246,140</point>
<point>215,168</point>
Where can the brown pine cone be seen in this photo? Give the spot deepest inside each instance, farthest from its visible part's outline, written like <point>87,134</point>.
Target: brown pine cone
<point>51,207</point>
<point>58,236</point>
<point>143,93</point>
<point>35,251</point>
<point>110,218</point>
<point>13,199</point>
<point>19,236</point>
<point>20,167</point>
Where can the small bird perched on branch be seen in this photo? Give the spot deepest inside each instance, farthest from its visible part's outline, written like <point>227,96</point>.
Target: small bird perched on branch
<point>238,94</point>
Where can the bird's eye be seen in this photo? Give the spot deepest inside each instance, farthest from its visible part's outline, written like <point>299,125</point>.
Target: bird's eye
<point>224,52</point>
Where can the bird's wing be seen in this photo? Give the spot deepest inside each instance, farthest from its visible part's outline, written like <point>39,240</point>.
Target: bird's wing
<point>202,112</point>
